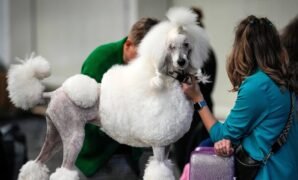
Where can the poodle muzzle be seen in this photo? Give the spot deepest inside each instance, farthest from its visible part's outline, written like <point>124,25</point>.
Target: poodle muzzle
<point>182,76</point>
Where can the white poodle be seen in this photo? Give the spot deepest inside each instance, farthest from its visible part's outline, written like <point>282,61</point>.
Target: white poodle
<point>140,104</point>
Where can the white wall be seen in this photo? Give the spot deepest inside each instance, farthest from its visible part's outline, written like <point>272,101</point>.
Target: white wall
<point>153,8</point>
<point>4,33</point>
<point>220,20</point>
<point>68,31</point>
<point>16,29</point>
<point>21,43</point>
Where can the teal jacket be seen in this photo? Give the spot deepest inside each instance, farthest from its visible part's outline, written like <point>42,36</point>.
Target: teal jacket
<point>258,117</point>
<point>98,147</point>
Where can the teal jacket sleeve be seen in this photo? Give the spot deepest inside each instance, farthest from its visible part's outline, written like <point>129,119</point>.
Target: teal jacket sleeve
<point>250,107</point>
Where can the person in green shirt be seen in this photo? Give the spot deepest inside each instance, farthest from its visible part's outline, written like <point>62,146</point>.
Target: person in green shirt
<point>98,148</point>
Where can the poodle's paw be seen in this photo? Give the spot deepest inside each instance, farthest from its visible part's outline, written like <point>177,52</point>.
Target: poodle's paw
<point>34,170</point>
<point>157,83</point>
<point>159,170</point>
<point>65,174</point>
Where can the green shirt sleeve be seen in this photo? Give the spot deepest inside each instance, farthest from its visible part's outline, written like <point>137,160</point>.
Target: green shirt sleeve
<point>102,59</point>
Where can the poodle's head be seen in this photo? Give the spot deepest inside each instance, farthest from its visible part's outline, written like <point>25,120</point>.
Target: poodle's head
<point>178,51</point>
<point>177,45</point>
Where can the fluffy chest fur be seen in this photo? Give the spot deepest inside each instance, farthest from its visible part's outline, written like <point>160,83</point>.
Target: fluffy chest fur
<point>134,113</point>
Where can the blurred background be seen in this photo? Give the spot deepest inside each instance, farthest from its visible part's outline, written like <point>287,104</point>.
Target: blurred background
<point>66,31</point>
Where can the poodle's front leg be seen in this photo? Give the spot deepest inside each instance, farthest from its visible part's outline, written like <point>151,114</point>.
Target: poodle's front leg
<point>159,153</point>
<point>159,166</point>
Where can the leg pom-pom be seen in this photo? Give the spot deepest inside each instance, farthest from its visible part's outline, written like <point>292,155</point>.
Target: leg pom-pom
<point>159,170</point>
<point>65,174</point>
<point>34,170</point>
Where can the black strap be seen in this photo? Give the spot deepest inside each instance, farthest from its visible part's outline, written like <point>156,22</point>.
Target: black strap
<point>281,140</point>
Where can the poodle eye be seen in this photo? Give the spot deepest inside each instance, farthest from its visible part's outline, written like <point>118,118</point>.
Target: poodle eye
<point>186,45</point>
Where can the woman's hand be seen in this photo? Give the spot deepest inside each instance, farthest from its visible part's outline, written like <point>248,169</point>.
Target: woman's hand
<point>223,148</point>
<point>192,91</point>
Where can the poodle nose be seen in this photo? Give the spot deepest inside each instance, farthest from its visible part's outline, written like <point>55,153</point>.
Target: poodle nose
<point>181,62</point>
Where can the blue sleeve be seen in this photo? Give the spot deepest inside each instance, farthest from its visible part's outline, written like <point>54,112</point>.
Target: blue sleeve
<point>250,105</point>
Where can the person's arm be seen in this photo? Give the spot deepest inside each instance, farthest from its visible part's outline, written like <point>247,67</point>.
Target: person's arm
<point>250,106</point>
<point>194,93</point>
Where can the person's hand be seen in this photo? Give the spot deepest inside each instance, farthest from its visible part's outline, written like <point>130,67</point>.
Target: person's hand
<point>192,91</point>
<point>223,148</point>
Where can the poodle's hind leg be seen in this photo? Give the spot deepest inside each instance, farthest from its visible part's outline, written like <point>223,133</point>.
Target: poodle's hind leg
<point>37,170</point>
<point>72,138</point>
<point>159,166</point>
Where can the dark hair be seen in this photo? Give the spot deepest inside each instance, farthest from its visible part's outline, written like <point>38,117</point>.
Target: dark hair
<point>200,15</point>
<point>257,45</point>
<point>140,29</point>
<point>289,38</point>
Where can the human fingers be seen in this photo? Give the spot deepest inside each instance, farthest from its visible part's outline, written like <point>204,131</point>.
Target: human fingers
<point>228,150</point>
<point>227,146</point>
<point>223,148</point>
<point>218,147</point>
<point>189,90</point>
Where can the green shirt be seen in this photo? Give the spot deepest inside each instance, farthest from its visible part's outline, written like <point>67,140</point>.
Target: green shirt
<point>98,147</point>
<point>102,59</point>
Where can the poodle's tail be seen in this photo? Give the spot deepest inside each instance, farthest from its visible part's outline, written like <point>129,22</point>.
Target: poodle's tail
<point>24,82</point>
<point>159,170</point>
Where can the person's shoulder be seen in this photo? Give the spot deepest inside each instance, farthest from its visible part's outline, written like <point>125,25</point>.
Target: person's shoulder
<point>110,48</point>
<point>105,52</point>
<point>114,44</point>
<point>258,78</point>
<point>258,82</point>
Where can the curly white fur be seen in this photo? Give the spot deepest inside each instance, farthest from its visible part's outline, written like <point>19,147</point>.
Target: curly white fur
<point>153,116</point>
<point>33,170</point>
<point>159,170</point>
<point>64,174</point>
<point>25,89</point>
<point>155,44</point>
<point>181,16</point>
<point>82,90</point>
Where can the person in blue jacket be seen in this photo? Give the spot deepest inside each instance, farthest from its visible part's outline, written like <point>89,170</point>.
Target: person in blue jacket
<point>258,70</point>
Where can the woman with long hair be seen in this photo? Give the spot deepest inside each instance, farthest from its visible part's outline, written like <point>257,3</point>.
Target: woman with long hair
<point>258,70</point>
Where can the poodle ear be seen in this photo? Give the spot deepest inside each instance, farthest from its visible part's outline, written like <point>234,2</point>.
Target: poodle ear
<point>157,82</point>
<point>201,47</point>
<point>164,65</point>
